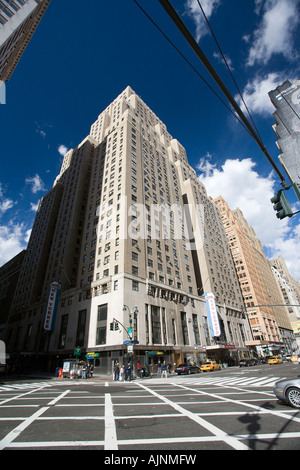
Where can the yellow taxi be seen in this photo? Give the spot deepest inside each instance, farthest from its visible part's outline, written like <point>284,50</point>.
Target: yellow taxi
<point>210,366</point>
<point>274,360</point>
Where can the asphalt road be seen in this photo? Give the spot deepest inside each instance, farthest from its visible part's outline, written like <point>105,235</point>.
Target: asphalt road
<point>157,418</point>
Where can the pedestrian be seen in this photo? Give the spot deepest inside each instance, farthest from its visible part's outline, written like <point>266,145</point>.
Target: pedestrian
<point>92,370</point>
<point>122,373</point>
<point>84,368</point>
<point>159,368</point>
<point>169,367</point>
<point>128,372</point>
<point>164,370</point>
<point>116,372</point>
<point>138,366</point>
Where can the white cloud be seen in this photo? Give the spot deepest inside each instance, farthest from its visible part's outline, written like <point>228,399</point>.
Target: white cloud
<point>242,187</point>
<point>36,184</point>
<point>218,56</point>
<point>12,241</point>
<point>193,10</point>
<point>62,149</point>
<point>256,92</point>
<point>34,207</point>
<point>275,32</point>
<point>5,203</point>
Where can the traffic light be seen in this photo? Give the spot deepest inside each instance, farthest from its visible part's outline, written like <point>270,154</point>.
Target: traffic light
<point>281,205</point>
<point>111,326</point>
<point>296,188</point>
<point>116,326</point>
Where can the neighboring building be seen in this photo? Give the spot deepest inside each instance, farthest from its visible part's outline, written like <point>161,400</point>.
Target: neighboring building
<point>286,100</point>
<point>9,274</point>
<point>271,327</point>
<point>18,22</point>
<point>291,293</point>
<point>129,233</point>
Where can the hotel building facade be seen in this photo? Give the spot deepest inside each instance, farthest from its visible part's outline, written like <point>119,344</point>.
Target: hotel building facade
<point>270,324</point>
<point>131,237</point>
<point>18,22</point>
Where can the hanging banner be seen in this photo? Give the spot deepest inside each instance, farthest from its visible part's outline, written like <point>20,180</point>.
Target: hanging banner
<point>212,313</point>
<point>51,307</point>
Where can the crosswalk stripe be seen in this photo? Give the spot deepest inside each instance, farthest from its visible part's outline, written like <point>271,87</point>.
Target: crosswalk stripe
<point>249,382</point>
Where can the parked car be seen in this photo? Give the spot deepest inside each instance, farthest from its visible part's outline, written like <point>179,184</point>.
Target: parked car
<point>247,362</point>
<point>274,360</point>
<point>210,366</point>
<point>288,391</point>
<point>186,368</point>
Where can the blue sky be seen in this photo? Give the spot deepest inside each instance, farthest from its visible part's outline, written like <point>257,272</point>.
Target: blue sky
<point>81,58</point>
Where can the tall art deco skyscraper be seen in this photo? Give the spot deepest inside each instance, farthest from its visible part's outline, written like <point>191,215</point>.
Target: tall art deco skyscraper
<point>130,239</point>
<point>18,22</point>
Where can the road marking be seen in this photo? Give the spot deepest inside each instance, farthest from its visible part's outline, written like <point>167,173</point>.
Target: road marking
<point>55,400</point>
<point>243,403</point>
<point>110,436</point>
<point>152,441</point>
<point>221,435</point>
<point>18,397</point>
<point>224,381</point>
<point>10,437</point>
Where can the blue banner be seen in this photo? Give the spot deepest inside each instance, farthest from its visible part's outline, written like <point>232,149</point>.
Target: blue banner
<point>51,307</point>
<point>212,313</point>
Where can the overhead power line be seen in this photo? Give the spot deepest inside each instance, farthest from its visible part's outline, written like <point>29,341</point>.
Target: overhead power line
<point>196,48</point>
<point>226,63</point>
<point>189,63</point>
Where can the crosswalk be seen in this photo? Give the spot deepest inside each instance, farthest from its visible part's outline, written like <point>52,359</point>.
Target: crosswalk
<point>28,386</point>
<point>237,381</point>
<point>215,380</point>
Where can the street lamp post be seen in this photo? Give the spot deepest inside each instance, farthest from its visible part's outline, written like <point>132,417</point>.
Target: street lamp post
<point>130,333</point>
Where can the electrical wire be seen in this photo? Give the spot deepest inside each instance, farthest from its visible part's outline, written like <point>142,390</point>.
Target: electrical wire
<point>191,65</point>
<point>227,65</point>
<point>191,41</point>
<point>200,54</point>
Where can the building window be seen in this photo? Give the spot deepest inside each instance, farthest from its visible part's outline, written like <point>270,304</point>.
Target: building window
<point>81,328</point>
<point>101,324</point>
<point>155,323</point>
<point>63,332</point>
<point>135,286</point>
<point>184,329</point>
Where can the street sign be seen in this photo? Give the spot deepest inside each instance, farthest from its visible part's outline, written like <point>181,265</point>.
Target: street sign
<point>130,332</point>
<point>135,342</point>
<point>92,355</point>
<point>77,351</point>
<point>127,342</point>
<point>130,348</point>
